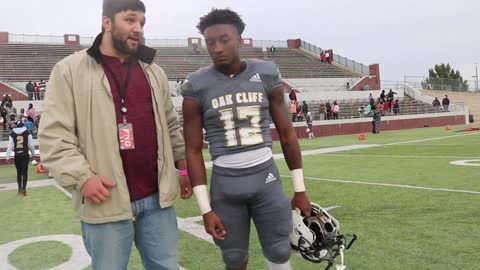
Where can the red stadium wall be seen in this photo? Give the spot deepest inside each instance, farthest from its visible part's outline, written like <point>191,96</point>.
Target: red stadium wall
<point>3,37</point>
<point>71,39</point>
<point>366,127</point>
<point>373,82</point>
<point>294,43</point>
<point>195,41</point>
<point>247,42</point>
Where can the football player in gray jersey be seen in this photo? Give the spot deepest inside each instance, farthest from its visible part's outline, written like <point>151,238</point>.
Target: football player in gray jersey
<point>234,101</point>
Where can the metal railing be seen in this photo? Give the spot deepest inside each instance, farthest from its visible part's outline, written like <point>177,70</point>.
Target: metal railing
<point>269,43</point>
<point>359,67</point>
<point>22,38</point>
<point>442,84</point>
<point>416,94</point>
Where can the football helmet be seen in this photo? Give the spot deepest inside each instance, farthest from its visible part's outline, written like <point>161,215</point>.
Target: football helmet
<point>317,238</point>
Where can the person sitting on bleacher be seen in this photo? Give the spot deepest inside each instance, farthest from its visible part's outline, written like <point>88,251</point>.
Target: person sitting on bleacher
<point>361,111</point>
<point>368,109</point>
<point>396,107</point>
<point>30,125</point>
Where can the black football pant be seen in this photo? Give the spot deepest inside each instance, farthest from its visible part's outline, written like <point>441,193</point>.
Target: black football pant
<point>21,163</point>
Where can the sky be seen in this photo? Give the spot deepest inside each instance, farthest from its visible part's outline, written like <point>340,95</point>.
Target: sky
<point>405,37</point>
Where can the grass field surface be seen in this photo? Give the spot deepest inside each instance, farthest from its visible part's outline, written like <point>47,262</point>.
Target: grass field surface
<point>410,207</point>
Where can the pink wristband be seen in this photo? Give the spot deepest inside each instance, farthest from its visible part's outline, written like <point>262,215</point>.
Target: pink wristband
<point>183,172</point>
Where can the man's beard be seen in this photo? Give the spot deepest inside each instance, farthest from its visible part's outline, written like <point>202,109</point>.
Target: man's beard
<point>121,45</point>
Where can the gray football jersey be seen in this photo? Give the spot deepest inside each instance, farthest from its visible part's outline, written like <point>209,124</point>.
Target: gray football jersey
<point>235,110</point>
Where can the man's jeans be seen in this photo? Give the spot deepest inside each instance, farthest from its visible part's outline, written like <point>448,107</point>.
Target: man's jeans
<point>154,231</point>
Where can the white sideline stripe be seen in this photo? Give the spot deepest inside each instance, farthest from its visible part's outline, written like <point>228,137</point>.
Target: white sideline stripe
<point>190,226</point>
<point>319,151</point>
<point>31,184</point>
<point>433,139</point>
<point>392,156</point>
<point>68,194</point>
<point>331,150</point>
<point>389,185</point>
<point>4,154</point>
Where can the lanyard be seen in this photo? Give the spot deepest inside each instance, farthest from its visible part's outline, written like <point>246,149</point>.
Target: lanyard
<point>122,91</point>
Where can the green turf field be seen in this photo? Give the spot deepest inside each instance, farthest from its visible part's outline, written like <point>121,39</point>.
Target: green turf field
<point>417,211</point>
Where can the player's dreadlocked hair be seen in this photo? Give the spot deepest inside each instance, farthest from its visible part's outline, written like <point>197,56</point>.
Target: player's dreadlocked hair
<point>221,16</point>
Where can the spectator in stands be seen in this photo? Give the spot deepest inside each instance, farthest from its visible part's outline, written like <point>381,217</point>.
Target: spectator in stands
<point>293,96</point>
<point>377,118</point>
<point>370,98</point>
<point>43,87</point>
<point>31,111</point>
<point>436,104</point>
<point>391,105</point>
<point>335,110</point>
<point>321,111</point>
<point>327,57</point>
<point>299,113</point>
<point>88,144</point>
<point>322,57</point>
<point>178,86</point>
<point>390,95</point>
<point>195,49</point>
<point>30,125</point>
<point>328,110</point>
<point>396,107</point>
<point>272,51</point>
<point>30,90</point>
<point>5,109</point>
<point>11,122</point>
<point>20,142</point>
<point>445,103</point>
<point>386,108</point>
<point>380,107</point>
<point>361,111</point>
<point>309,119</point>
<point>382,96</point>
<point>36,91</point>
<point>3,114</point>
<point>347,86</point>
<point>368,108</point>
<point>293,110</point>
<point>264,52</point>
<point>305,108</point>
<point>14,113</point>
<point>22,114</point>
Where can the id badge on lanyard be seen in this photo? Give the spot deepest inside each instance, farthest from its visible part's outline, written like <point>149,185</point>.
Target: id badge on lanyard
<point>125,133</point>
<point>125,129</point>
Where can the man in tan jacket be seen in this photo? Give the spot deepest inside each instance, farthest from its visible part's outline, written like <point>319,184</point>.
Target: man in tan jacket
<point>110,134</point>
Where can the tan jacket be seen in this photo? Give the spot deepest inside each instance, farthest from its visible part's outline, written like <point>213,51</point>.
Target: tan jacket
<point>78,133</point>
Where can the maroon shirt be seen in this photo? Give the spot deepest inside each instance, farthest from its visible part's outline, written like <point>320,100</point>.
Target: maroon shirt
<point>139,164</point>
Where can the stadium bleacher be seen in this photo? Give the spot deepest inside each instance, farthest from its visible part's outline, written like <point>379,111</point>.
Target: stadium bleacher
<point>24,62</point>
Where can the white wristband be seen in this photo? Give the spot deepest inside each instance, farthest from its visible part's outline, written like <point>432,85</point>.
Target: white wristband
<point>201,194</point>
<point>297,179</point>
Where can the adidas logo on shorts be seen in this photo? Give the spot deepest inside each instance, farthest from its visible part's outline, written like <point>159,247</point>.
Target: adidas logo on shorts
<point>270,178</point>
<point>256,78</point>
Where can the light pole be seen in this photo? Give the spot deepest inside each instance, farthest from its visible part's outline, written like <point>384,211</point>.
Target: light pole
<point>476,77</point>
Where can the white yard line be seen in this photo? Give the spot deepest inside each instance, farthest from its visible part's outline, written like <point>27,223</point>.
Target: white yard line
<point>389,185</point>
<point>393,156</point>
<point>432,139</point>
<point>31,184</point>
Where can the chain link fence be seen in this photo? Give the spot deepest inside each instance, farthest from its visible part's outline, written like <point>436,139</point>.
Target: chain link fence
<point>442,84</point>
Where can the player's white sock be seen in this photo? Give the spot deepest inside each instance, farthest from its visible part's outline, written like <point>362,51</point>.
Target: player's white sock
<point>283,266</point>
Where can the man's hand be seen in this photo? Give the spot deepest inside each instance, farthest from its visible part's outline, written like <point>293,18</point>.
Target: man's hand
<point>185,187</point>
<point>301,201</point>
<point>214,226</point>
<point>95,190</point>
